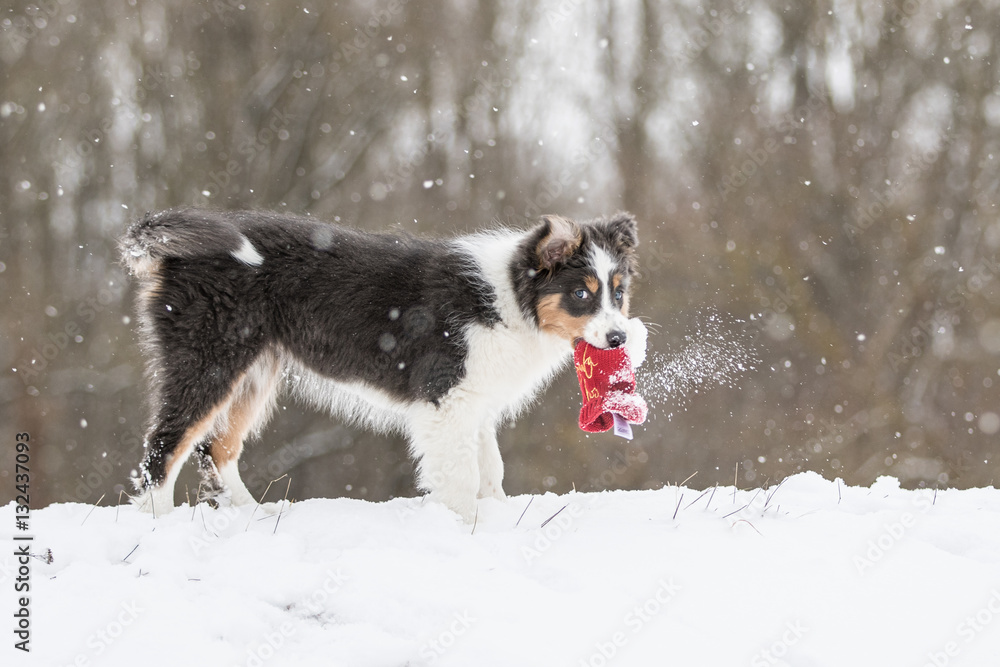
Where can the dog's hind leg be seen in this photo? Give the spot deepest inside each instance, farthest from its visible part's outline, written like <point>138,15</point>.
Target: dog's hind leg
<point>211,485</point>
<point>191,402</point>
<point>171,440</point>
<point>248,411</point>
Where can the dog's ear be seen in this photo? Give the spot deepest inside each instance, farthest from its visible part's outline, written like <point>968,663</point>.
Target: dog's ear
<point>623,229</point>
<point>559,238</point>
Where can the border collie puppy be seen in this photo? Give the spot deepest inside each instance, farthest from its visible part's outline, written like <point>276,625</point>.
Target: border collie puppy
<point>442,340</point>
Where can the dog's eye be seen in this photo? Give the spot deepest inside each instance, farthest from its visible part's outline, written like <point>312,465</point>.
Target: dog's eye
<point>581,294</point>
<point>619,294</point>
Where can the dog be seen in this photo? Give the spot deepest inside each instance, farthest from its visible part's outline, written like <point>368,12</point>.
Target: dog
<point>442,340</point>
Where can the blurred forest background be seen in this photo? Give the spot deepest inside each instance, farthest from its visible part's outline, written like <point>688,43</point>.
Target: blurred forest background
<point>820,179</point>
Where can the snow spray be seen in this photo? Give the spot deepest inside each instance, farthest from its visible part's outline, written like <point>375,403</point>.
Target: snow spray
<point>715,352</point>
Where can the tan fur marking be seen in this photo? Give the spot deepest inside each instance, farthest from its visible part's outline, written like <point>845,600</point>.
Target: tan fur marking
<point>229,444</point>
<point>563,239</point>
<point>194,434</point>
<point>239,411</point>
<point>248,406</point>
<point>553,319</point>
<point>592,283</point>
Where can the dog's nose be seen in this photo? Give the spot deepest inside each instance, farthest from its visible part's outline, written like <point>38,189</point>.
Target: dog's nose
<point>616,338</point>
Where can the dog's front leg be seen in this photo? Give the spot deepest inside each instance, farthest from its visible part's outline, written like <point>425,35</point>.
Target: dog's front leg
<point>445,443</point>
<point>490,464</point>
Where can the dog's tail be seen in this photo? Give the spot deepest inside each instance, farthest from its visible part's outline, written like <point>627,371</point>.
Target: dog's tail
<point>181,233</point>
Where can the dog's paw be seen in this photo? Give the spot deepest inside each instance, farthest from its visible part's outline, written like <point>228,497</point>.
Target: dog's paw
<point>271,509</point>
<point>491,491</point>
<point>154,500</point>
<point>234,497</point>
<point>635,342</point>
<point>264,509</point>
<point>463,507</point>
<point>491,479</point>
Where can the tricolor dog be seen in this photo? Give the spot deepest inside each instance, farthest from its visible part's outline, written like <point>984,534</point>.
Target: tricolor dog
<point>442,340</point>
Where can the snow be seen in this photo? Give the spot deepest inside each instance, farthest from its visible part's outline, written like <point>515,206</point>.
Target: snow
<point>808,573</point>
<point>718,352</point>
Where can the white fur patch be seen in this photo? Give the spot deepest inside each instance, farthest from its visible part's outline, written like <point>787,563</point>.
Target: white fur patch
<point>609,318</point>
<point>158,500</point>
<point>455,444</point>
<point>141,265</point>
<point>352,401</point>
<point>230,474</point>
<point>492,252</point>
<point>511,362</point>
<point>636,341</point>
<point>604,266</point>
<point>247,253</point>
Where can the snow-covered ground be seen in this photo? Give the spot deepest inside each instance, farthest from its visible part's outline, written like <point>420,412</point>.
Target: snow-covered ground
<point>808,573</point>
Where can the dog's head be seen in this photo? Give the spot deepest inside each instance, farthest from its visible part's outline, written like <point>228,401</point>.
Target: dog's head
<point>573,278</point>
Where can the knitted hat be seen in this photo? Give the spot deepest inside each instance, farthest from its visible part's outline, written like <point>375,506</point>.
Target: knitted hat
<point>607,383</point>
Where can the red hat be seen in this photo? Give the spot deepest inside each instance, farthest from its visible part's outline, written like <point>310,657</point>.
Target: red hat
<point>607,383</point>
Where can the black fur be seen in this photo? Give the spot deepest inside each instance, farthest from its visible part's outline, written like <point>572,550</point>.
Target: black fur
<point>380,309</point>
<point>229,300</point>
<point>534,277</point>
